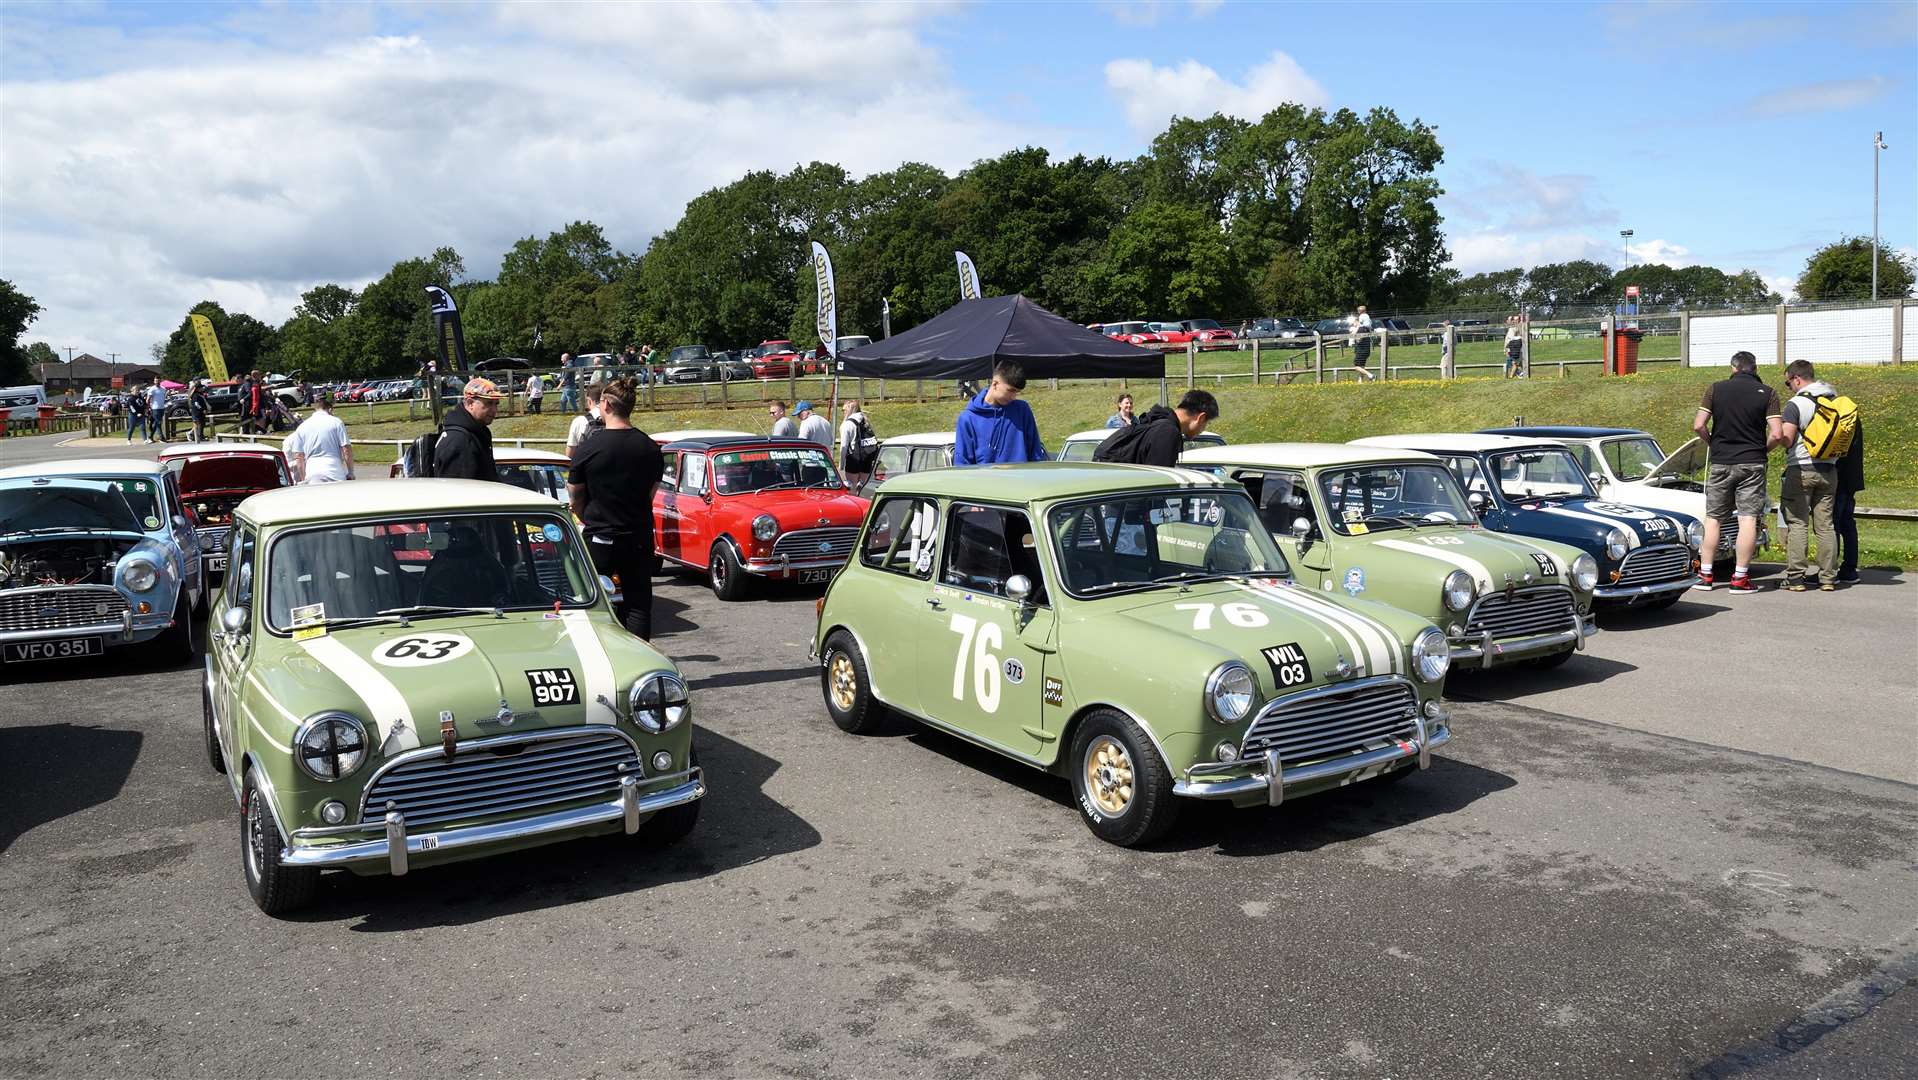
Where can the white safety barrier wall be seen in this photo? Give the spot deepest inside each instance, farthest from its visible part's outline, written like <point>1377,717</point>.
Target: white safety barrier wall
<point>1844,336</point>
<point>1716,337</point>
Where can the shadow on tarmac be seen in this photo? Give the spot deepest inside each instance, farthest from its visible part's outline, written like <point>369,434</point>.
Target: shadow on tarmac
<point>739,825</point>
<point>48,771</point>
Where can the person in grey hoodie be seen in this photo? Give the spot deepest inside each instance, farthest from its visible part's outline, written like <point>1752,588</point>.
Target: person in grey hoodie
<point>1809,489</point>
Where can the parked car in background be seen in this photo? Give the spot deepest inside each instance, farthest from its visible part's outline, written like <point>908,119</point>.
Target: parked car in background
<point>504,363</point>
<point>1333,327</point>
<point>214,478</point>
<point>1016,607</point>
<point>1207,330</point>
<point>1393,525</point>
<point>1170,333</point>
<point>1138,333</point>
<point>1289,332</point>
<point>733,365</point>
<point>902,454</point>
<point>740,508</point>
<point>1079,446</point>
<point>772,359</point>
<point>850,341</point>
<point>1627,466</point>
<point>1534,487</point>
<point>690,364</point>
<point>451,684</point>
<point>96,554</point>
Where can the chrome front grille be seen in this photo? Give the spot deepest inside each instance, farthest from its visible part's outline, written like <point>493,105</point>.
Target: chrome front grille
<point>212,539</point>
<point>834,543</point>
<point>1651,565</point>
<point>60,608</point>
<point>1528,612</point>
<point>512,774</point>
<point>1319,724</point>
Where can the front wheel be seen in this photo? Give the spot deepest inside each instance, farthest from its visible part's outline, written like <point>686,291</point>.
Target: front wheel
<point>178,643</point>
<point>276,889</point>
<point>727,576</point>
<point>847,687</point>
<point>1124,791</point>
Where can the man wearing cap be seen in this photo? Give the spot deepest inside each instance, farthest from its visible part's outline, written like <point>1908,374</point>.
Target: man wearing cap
<point>465,447</point>
<point>811,425</point>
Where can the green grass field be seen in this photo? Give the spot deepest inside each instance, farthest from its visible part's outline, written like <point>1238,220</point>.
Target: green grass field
<point>1660,400</point>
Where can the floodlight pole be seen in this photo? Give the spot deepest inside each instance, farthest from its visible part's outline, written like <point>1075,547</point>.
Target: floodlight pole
<point>1877,147</point>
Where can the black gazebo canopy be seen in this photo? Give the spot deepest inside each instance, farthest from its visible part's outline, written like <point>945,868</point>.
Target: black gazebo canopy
<point>965,340</point>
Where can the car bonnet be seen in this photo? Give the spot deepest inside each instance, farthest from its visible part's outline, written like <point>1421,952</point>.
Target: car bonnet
<point>1490,558</point>
<point>1683,461</point>
<point>466,666</point>
<point>1245,618</point>
<point>1586,522</point>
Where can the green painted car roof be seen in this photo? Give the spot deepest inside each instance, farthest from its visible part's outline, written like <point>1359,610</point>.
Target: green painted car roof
<point>1041,481</point>
<point>397,498</point>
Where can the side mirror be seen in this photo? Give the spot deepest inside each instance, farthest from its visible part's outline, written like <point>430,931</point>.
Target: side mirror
<point>1018,588</point>
<point>1598,482</point>
<point>611,590</point>
<point>1479,502</point>
<point>236,620</point>
<point>1301,527</point>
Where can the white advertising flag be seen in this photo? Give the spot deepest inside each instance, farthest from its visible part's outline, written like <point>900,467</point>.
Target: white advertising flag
<point>968,277</point>
<point>826,321</point>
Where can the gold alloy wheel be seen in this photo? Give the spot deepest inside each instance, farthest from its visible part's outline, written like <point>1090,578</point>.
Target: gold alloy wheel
<point>1109,775</point>
<point>844,684</point>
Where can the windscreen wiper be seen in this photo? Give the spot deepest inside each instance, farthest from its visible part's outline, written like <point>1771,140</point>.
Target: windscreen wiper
<point>406,614</point>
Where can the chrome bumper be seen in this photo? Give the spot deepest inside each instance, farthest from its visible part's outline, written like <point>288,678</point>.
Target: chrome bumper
<point>1489,651</point>
<point>126,628</point>
<point>398,845</point>
<point>1199,784</point>
<point>783,564</point>
<point>1636,592</point>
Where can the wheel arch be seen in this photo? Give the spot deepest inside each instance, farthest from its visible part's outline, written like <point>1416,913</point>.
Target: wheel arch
<point>253,773</point>
<point>1069,733</point>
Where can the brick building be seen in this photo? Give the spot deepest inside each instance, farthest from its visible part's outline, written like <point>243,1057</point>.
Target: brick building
<point>88,370</point>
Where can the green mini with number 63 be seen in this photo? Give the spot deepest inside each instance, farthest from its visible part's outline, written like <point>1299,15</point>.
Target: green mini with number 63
<point>1132,629</point>
<point>405,672</point>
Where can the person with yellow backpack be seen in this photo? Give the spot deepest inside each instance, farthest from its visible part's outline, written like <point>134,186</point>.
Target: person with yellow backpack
<point>1818,427</point>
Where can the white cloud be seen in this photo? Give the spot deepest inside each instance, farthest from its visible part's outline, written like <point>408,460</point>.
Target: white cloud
<point>1657,251</point>
<point>1152,12</point>
<point>1151,95</point>
<point>249,174</point>
<point>1517,198</point>
<point>1819,97</point>
<point>1500,249</point>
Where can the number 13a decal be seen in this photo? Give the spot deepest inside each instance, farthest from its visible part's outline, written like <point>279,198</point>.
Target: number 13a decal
<point>976,643</point>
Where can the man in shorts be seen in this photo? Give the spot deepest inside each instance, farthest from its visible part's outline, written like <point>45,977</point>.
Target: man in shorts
<point>1739,418</point>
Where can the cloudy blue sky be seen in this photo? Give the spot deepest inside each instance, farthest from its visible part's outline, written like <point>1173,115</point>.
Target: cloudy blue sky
<point>154,156</point>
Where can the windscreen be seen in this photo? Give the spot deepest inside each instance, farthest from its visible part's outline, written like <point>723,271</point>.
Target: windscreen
<point>372,571</point>
<point>1540,474</point>
<point>1160,538</point>
<point>66,504</point>
<point>1633,459</point>
<point>1371,498</point>
<point>739,471</point>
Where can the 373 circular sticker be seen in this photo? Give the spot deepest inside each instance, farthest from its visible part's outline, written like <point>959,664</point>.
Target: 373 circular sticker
<point>422,650</point>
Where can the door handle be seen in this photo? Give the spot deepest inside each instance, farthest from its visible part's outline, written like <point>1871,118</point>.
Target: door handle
<point>932,602</point>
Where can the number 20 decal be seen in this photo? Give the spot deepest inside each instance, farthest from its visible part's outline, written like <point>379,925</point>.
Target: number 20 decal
<point>423,650</point>
<point>976,643</point>
<point>1443,541</point>
<point>1244,615</point>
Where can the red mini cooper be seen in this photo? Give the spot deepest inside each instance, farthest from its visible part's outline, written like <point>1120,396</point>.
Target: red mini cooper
<point>216,477</point>
<point>744,507</point>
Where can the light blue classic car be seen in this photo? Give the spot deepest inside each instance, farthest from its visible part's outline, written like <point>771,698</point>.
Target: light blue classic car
<point>93,555</point>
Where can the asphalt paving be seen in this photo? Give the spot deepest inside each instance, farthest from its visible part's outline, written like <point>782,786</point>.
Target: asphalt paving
<point>1605,874</point>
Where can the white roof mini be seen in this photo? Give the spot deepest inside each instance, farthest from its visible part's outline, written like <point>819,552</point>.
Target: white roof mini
<point>526,455</point>
<point>922,438</point>
<point>1467,443</point>
<point>186,450</point>
<point>1295,455</point>
<point>664,437</point>
<point>410,499</point>
<point>86,467</point>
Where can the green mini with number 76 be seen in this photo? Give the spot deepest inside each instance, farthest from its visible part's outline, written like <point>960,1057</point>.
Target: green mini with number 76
<point>407,672</point>
<point>1133,629</point>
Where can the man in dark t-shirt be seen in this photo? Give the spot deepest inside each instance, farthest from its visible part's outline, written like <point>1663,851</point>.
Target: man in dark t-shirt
<point>611,485</point>
<point>1739,419</point>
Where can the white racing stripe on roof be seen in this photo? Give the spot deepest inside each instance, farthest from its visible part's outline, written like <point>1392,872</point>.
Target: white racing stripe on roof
<point>386,707</point>
<point>1481,575</point>
<point>1630,531</point>
<point>595,667</point>
<point>1380,647</point>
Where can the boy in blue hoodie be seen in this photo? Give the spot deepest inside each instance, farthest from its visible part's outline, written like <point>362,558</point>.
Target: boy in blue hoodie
<point>996,427</point>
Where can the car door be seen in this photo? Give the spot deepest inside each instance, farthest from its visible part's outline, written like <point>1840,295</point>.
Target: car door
<point>982,657</point>
<point>184,535</point>
<point>901,544</point>
<point>231,652</point>
<point>1283,497</point>
<point>666,508</point>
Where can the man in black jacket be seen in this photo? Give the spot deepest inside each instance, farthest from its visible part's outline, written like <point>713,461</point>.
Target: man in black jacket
<point>1158,437</point>
<point>1851,481</point>
<point>465,447</point>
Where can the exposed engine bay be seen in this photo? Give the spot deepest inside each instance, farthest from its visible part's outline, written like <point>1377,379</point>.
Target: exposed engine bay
<point>84,561</point>
<point>214,507</point>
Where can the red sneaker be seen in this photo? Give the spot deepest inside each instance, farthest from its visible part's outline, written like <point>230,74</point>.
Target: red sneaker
<point>1704,583</point>
<point>1743,583</point>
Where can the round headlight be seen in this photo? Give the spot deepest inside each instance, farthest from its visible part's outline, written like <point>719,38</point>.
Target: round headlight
<point>659,701</point>
<point>1695,535</point>
<point>330,746</point>
<point>1431,656</point>
<point>1230,692</point>
<point>139,575</point>
<point>1585,573</point>
<point>765,527</point>
<point>1616,544</point>
<point>1460,591</point>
